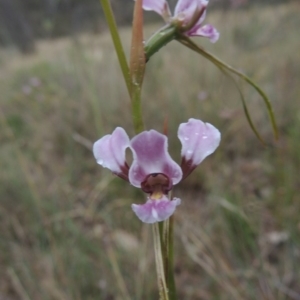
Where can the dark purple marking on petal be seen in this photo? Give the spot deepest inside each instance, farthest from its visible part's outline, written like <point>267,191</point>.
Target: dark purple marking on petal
<point>156,183</point>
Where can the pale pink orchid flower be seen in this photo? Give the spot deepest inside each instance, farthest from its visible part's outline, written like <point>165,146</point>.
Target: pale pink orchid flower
<point>188,16</point>
<point>152,169</point>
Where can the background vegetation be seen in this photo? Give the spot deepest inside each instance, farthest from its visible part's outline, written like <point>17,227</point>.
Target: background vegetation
<point>67,230</point>
<point>23,22</point>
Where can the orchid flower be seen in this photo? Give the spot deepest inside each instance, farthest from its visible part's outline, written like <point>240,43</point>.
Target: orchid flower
<point>153,170</point>
<point>188,16</point>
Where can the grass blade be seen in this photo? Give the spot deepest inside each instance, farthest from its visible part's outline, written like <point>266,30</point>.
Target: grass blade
<point>225,67</point>
<point>117,41</point>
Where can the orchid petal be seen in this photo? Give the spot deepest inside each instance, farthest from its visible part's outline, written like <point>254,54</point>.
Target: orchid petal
<point>183,5</point>
<point>198,140</point>
<point>159,6</point>
<point>155,210</point>
<point>150,156</point>
<point>109,151</point>
<point>185,10</point>
<point>208,31</point>
<point>189,9</point>
<point>200,21</point>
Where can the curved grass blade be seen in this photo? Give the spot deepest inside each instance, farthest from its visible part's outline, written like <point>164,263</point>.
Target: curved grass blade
<point>246,111</point>
<point>223,66</point>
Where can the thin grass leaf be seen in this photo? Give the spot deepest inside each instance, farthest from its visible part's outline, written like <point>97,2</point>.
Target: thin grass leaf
<point>117,41</point>
<point>246,111</point>
<point>223,66</point>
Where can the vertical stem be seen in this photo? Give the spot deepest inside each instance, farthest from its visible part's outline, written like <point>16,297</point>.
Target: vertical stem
<point>167,248</point>
<point>159,261</point>
<point>136,105</point>
<point>170,270</point>
<point>117,41</point>
<point>137,66</point>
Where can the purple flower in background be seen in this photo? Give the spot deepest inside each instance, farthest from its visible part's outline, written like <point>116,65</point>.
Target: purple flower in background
<point>188,16</point>
<point>153,170</point>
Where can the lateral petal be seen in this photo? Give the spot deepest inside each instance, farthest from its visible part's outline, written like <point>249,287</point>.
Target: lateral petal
<point>185,10</point>
<point>183,5</point>
<point>109,151</point>
<point>207,30</point>
<point>159,6</point>
<point>198,140</point>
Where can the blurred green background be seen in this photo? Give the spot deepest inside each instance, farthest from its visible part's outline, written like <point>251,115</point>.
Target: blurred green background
<point>67,229</point>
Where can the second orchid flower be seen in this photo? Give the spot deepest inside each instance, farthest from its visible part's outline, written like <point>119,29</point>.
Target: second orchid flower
<point>188,17</point>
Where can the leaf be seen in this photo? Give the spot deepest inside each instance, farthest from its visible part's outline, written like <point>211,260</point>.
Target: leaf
<point>228,69</point>
<point>246,111</point>
<point>117,41</point>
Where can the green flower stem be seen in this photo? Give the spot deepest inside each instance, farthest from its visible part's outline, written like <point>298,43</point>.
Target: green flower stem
<point>170,266</point>
<point>166,231</point>
<point>159,259</point>
<point>137,66</point>
<point>136,104</point>
<point>159,39</point>
<point>117,41</point>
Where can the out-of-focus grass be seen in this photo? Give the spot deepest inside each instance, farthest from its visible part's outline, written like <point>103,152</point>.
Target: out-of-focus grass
<point>67,230</point>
